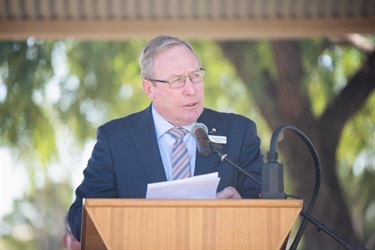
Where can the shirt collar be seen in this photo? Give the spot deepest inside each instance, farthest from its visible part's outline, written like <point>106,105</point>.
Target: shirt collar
<point>162,125</point>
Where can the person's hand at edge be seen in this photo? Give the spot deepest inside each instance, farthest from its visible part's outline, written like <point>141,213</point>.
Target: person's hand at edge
<point>228,193</point>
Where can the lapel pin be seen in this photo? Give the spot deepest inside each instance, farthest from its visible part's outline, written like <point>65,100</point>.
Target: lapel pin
<point>213,130</point>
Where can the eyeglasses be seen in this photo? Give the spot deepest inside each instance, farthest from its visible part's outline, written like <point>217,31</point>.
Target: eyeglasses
<point>179,81</point>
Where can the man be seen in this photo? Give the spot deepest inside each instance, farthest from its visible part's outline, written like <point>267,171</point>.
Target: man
<point>139,149</point>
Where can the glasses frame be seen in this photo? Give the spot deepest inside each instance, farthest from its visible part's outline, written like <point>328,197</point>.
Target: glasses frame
<point>188,76</point>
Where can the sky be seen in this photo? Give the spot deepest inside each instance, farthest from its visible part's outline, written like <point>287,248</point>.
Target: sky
<point>14,179</point>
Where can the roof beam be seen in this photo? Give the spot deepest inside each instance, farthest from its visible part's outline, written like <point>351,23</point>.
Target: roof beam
<point>119,30</point>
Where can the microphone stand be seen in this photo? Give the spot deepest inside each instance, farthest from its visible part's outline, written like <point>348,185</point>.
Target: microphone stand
<point>272,159</point>
<point>322,227</point>
<point>216,151</point>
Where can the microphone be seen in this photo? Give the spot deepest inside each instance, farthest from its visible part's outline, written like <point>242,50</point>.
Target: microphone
<point>199,132</point>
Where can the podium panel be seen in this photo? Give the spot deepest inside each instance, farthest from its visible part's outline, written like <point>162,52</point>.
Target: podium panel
<point>187,224</point>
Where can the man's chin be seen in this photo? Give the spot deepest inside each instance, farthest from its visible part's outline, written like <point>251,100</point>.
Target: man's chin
<point>193,116</point>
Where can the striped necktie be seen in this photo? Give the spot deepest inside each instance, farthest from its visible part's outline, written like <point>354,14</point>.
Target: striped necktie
<point>180,155</point>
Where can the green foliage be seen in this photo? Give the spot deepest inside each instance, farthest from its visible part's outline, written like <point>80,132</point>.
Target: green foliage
<point>356,166</point>
<point>327,76</point>
<point>224,91</point>
<point>101,84</point>
<point>24,70</point>
<point>356,150</point>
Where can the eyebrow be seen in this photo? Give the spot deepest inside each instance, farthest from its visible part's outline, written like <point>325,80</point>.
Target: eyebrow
<point>188,74</point>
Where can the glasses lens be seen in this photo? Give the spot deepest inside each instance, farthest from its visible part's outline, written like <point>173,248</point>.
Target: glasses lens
<point>195,77</point>
<point>198,76</point>
<point>177,82</point>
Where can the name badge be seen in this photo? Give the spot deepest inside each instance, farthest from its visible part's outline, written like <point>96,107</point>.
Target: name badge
<point>218,139</point>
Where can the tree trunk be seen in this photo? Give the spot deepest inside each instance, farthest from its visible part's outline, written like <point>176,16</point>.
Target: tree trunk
<point>284,100</point>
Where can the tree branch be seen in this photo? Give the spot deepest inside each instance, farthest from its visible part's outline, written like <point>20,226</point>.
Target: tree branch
<point>356,40</point>
<point>262,87</point>
<point>293,99</point>
<point>349,101</point>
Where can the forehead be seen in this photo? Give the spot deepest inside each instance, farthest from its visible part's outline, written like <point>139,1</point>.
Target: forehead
<point>176,60</point>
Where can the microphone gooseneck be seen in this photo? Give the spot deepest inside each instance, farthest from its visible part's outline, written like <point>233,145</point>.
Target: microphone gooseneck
<point>272,156</point>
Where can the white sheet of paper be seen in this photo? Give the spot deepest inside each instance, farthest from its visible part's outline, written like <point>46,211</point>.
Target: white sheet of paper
<point>197,187</point>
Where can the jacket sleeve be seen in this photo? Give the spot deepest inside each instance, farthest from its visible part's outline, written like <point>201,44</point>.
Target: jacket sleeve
<point>99,180</point>
<point>251,160</point>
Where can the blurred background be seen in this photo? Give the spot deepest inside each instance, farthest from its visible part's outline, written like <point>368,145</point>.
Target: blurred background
<point>67,67</point>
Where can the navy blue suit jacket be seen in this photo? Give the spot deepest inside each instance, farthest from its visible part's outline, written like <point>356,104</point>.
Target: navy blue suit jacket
<point>126,158</point>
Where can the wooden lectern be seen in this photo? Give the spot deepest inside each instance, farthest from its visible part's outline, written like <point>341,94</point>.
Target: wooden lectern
<point>187,224</point>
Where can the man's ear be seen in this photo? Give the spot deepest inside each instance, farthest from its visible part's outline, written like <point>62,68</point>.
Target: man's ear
<point>148,88</point>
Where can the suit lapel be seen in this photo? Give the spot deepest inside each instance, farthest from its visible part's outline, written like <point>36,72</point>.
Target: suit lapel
<point>144,138</point>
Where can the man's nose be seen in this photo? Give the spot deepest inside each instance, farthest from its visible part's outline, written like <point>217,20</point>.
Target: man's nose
<point>189,85</point>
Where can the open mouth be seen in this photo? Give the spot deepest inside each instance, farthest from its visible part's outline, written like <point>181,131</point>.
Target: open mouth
<point>190,105</point>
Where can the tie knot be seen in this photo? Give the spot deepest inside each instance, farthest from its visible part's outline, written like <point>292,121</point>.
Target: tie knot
<point>177,132</point>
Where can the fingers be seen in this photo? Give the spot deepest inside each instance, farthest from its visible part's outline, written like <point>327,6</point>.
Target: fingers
<point>228,193</point>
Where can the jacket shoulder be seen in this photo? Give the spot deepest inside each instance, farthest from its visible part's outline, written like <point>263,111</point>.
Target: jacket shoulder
<point>225,117</point>
<point>128,121</point>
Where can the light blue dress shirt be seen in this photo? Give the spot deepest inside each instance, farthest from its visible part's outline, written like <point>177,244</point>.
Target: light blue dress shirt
<point>166,141</point>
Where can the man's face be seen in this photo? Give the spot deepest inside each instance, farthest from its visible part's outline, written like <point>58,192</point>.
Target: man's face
<point>180,106</point>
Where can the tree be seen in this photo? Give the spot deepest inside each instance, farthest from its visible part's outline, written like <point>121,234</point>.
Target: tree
<point>55,94</point>
<point>281,91</point>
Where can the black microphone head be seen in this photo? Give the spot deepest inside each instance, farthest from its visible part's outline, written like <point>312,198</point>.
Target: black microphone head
<point>201,138</point>
<point>205,151</point>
